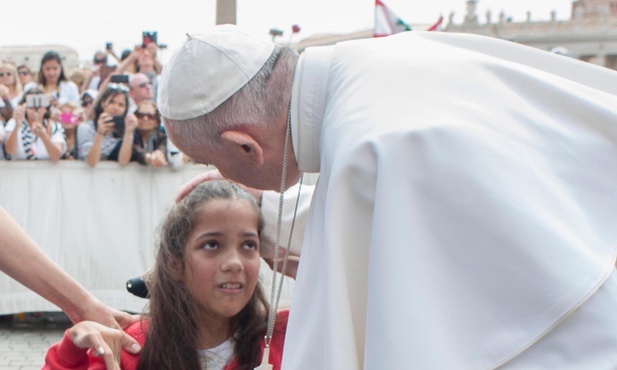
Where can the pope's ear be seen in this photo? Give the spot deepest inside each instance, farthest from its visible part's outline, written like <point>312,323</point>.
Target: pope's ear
<point>244,145</point>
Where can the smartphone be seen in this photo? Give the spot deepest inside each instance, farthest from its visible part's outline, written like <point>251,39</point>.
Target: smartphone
<point>119,79</point>
<point>69,118</point>
<point>148,37</point>
<point>37,101</point>
<point>119,125</point>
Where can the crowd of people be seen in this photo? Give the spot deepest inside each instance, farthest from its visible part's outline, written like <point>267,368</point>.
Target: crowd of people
<point>104,113</point>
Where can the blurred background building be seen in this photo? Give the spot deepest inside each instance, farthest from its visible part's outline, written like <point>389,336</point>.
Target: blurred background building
<point>590,34</point>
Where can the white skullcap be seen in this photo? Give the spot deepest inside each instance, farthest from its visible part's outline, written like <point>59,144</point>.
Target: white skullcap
<point>208,69</point>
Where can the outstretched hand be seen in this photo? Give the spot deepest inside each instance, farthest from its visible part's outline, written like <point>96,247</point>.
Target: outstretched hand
<point>102,314</point>
<point>101,340</point>
<point>189,186</point>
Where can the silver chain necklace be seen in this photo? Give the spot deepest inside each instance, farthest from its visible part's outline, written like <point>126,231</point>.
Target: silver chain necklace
<point>275,294</point>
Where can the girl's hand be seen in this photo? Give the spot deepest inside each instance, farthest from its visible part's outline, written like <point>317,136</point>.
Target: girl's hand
<point>101,340</point>
<point>105,124</point>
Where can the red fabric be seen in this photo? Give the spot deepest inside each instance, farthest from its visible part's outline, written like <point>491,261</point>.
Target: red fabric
<point>64,355</point>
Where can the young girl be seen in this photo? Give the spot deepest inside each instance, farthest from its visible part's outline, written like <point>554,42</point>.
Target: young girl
<point>53,81</point>
<point>206,309</point>
<point>100,138</point>
<point>32,134</point>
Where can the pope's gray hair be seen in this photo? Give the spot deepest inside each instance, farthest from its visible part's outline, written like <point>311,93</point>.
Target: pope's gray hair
<point>260,101</point>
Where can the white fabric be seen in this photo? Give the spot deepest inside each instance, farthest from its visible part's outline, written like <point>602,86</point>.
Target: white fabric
<point>216,358</point>
<point>29,86</point>
<point>97,224</point>
<point>208,69</point>
<point>68,93</point>
<point>14,102</point>
<point>569,347</point>
<point>38,146</point>
<point>270,208</point>
<point>466,202</point>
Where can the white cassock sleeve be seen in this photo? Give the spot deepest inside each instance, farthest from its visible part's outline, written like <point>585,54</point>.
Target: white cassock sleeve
<point>269,209</point>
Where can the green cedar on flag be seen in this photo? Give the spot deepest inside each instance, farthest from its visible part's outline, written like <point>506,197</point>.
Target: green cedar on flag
<point>386,22</point>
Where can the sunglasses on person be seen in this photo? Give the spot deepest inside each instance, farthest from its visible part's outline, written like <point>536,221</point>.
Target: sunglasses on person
<point>86,102</point>
<point>24,73</point>
<point>118,87</point>
<point>145,115</point>
<point>7,73</point>
<point>144,84</point>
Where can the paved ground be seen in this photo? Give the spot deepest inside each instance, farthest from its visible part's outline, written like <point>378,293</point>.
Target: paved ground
<point>24,340</point>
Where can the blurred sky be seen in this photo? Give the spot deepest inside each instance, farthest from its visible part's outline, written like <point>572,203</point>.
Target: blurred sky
<point>86,25</point>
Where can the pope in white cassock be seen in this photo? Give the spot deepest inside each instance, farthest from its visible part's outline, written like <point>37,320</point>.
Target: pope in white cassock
<point>465,216</point>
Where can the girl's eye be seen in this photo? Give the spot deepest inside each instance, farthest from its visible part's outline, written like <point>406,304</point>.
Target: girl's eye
<point>250,245</point>
<point>210,245</point>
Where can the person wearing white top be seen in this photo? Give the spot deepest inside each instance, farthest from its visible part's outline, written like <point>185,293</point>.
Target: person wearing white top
<point>54,82</point>
<point>32,135</point>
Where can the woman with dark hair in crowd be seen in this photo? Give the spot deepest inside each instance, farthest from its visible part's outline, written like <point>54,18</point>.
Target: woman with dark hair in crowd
<point>109,135</point>
<point>150,143</point>
<point>32,134</point>
<point>206,309</point>
<point>53,81</point>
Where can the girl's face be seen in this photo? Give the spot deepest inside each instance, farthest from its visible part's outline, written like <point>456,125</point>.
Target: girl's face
<point>35,115</point>
<point>51,71</point>
<point>115,105</point>
<point>222,258</point>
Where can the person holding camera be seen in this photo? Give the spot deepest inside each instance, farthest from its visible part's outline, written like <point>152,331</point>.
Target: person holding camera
<point>109,135</point>
<point>53,81</point>
<point>32,134</point>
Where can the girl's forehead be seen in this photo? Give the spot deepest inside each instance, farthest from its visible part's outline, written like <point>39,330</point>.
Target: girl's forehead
<point>117,98</point>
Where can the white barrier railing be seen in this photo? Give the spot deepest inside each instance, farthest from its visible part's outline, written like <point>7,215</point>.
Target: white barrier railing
<point>97,224</point>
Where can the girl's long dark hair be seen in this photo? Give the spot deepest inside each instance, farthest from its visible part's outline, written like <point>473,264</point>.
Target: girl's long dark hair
<point>171,342</point>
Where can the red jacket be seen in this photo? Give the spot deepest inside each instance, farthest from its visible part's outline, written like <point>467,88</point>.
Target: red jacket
<point>64,355</point>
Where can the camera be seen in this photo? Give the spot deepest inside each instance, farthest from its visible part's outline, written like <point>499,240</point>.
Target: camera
<point>37,101</point>
<point>69,118</point>
<point>119,125</point>
<point>148,37</point>
<point>108,46</point>
<point>119,79</point>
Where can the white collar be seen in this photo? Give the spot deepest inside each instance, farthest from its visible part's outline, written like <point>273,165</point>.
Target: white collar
<point>308,103</point>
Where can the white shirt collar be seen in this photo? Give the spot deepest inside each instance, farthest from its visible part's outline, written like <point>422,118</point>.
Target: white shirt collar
<point>308,103</point>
